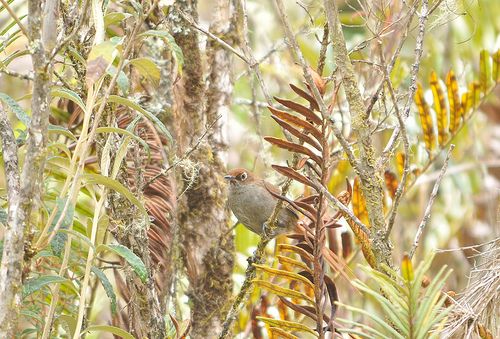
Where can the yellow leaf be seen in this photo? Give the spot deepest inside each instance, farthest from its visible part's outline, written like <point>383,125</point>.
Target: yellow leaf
<point>440,108</point>
<point>407,268</point>
<point>495,74</point>
<point>359,210</point>
<point>400,163</point>
<point>454,101</point>
<point>286,325</point>
<point>276,333</point>
<point>284,274</point>
<point>484,71</point>
<point>359,203</point>
<point>282,291</point>
<point>286,261</point>
<point>425,119</point>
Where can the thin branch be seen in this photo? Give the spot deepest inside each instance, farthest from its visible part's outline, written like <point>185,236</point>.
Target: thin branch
<point>252,62</point>
<point>344,209</point>
<point>15,74</point>
<point>186,155</point>
<point>211,35</point>
<point>394,57</point>
<point>413,81</point>
<point>406,146</point>
<point>427,213</point>
<point>308,76</point>
<point>13,15</point>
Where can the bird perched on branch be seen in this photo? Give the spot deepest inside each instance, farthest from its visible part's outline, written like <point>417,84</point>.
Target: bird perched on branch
<point>252,203</point>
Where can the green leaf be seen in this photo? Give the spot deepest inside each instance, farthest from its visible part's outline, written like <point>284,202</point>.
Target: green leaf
<point>147,68</point>
<point>33,285</point>
<point>108,288</point>
<point>80,236</point>
<point>111,329</point>
<point>121,80</point>
<point>70,323</point>
<point>65,93</point>
<point>169,39</point>
<point>132,105</point>
<point>14,107</point>
<point>59,240</point>
<point>61,130</point>
<point>115,18</point>
<point>124,132</point>
<point>116,186</point>
<point>132,259</point>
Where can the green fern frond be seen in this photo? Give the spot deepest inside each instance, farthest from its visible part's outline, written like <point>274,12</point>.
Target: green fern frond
<point>408,310</point>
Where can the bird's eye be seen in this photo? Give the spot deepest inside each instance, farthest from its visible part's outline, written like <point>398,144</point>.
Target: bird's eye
<point>243,176</point>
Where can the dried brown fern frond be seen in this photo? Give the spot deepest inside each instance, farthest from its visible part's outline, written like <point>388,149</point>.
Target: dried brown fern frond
<point>159,200</point>
<point>478,306</point>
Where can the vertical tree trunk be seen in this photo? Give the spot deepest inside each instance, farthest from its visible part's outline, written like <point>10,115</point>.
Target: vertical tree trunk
<point>24,202</point>
<point>207,249</point>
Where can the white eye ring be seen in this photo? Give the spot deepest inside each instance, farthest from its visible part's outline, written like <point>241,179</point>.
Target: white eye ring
<point>243,176</point>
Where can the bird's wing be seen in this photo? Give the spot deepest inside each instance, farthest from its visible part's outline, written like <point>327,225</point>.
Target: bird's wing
<point>276,192</point>
<point>273,189</point>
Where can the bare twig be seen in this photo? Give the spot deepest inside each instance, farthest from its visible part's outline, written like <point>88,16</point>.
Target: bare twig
<point>344,209</point>
<point>186,155</point>
<point>413,82</point>
<point>252,63</point>
<point>308,76</point>
<point>427,213</point>
<point>22,76</point>
<point>211,35</point>
<point>406,146</point>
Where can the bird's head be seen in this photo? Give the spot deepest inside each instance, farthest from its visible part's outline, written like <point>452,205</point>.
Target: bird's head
<point>240,176</point>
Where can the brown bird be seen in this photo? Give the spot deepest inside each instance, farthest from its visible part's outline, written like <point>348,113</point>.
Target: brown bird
<point>252,204</point>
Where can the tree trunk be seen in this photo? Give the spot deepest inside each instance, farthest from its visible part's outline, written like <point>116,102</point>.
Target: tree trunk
<point>207,249</point>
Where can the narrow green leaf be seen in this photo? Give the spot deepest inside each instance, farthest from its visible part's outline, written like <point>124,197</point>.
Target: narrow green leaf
<point>379,321</point>
<point>108,288</point>
<point>111,329</point>
<point>80,236</point>
<point>70,323</point>
<point>124,132</point>
<point>132,259</point>
<point>147,68</point>
<point>169,39</point>
<point>121,80</point>
<point>116,186</point>
<point>35,284</point>
<point>58,242</point>
<point>54,129</point>
<point>115,18</point>
<point>14,107</point>
<point>65,93</point>
<point>132,105</point>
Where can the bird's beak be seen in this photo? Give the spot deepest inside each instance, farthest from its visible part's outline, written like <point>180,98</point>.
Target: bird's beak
<point>229,177</point>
